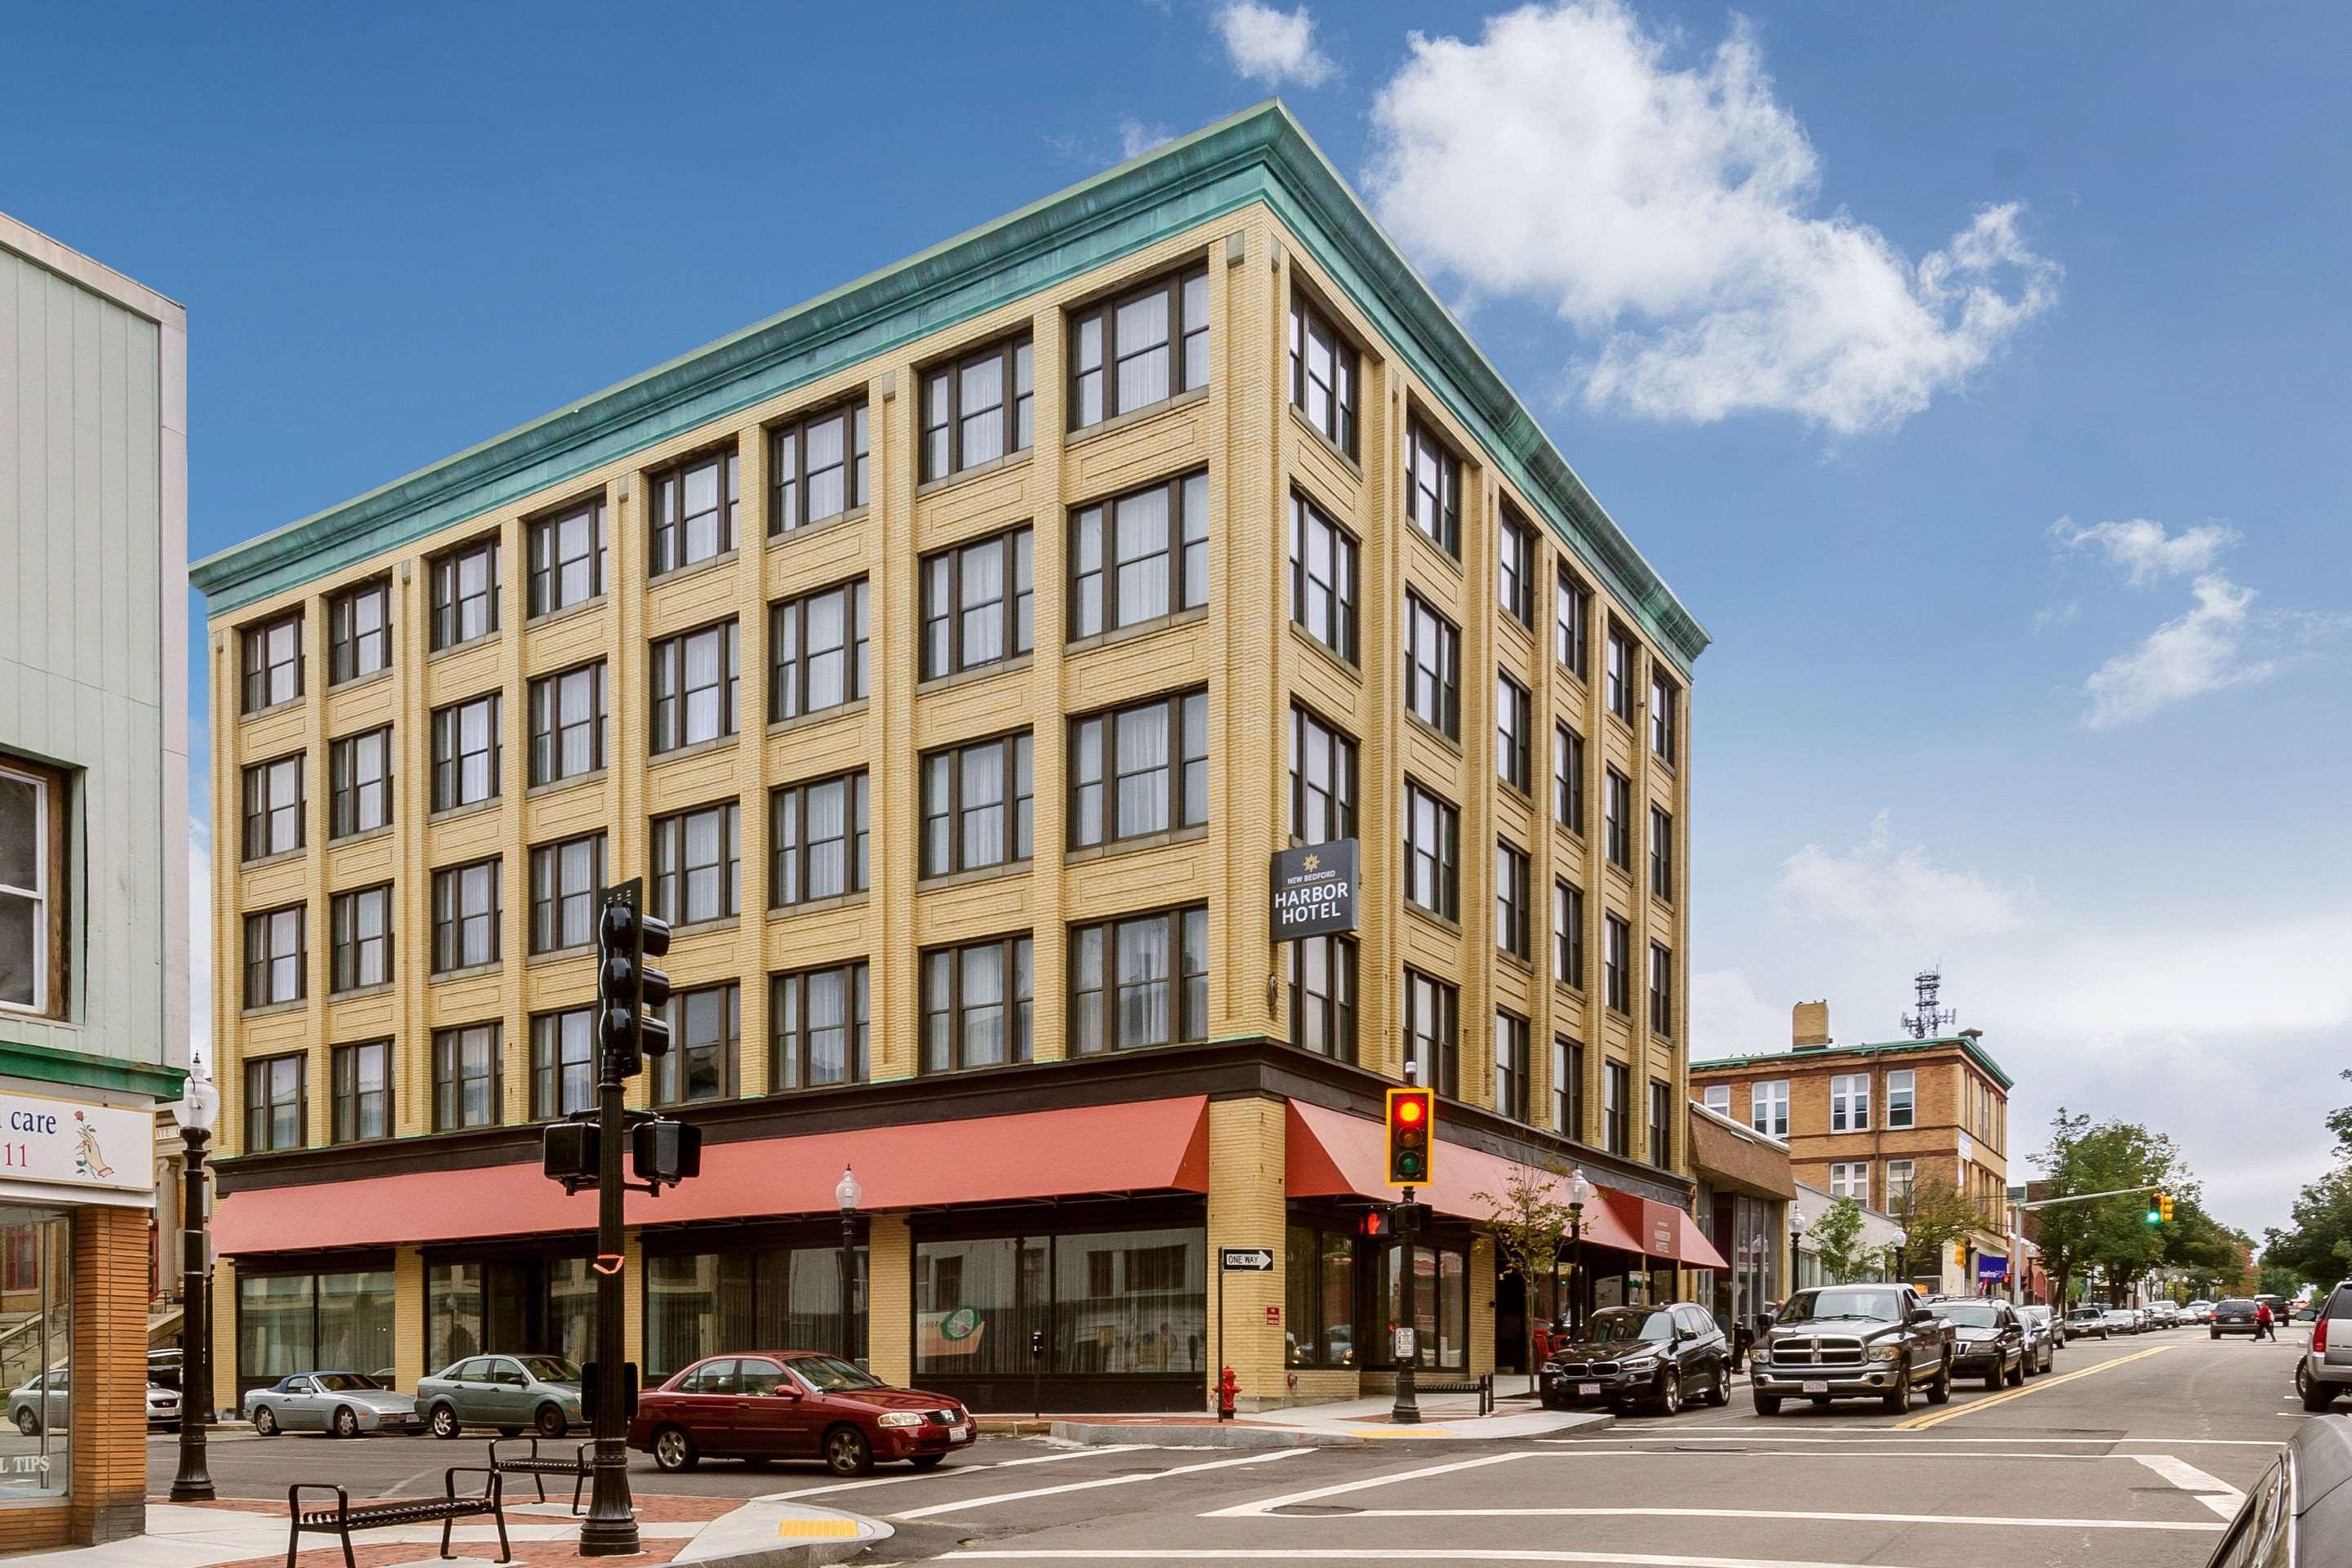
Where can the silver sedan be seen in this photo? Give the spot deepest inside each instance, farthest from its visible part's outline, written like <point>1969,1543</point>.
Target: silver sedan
<point>343,1403</point>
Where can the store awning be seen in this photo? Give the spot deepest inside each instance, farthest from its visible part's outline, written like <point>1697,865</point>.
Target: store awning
<point>1667,1232</point>
<point>1334,1154</point>
<point>1155,1145</point>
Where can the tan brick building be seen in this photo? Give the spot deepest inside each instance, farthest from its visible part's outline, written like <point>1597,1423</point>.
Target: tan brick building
<point>951,655</point>
<point>1869,1120</point>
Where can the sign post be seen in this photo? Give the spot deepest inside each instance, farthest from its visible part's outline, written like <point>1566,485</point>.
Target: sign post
<point>1237,1260</point>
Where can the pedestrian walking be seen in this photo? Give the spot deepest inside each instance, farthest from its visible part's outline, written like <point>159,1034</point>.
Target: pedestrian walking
<point>2265,1326</point>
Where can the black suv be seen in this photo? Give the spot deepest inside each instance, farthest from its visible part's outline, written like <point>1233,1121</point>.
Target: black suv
<point>1659,1356</point>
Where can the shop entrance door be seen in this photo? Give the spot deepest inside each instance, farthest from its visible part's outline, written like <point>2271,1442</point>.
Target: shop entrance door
<point>1510,1324</point>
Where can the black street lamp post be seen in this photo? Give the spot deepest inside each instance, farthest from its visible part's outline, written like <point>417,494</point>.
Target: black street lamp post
<point>197,1111</point>
<point>1579,1193</point>
<point>849,1193</point>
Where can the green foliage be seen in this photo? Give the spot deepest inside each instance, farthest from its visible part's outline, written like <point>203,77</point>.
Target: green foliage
<point>1837,1242</point>
<point>1530,1222</point>
<point>1934,1215</point>
<point>2111,1236</point>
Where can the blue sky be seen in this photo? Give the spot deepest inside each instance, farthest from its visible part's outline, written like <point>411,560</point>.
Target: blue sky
<point>1840,309</point>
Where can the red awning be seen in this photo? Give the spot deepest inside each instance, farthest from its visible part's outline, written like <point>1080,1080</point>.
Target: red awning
<point>1666,1231</point>
<point>1155,1145</point>
<point>1334,1154</point>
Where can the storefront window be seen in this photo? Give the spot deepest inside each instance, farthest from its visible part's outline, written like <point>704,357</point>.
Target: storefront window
<point>976,1303</point>
<point>313,1322</point>
<point>1441,1304</point>
<point>274,1323</point>
<point>1320,1297</point>
<point>767,1299</point>
<point>531,1306</point>
<point>1130,1301</point>
<point>453,1314</point>
<point>354,1323</point>
<point>36,1308</point>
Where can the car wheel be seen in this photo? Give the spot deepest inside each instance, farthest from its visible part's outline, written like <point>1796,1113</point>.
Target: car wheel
<point>2217,1333</point>
<point>847,1452</point>
<point>2017,1376</point>
<point>1668,1399</point>
<point>26,1422</point>
<point>444,1422</point>
<point>1719,1393</point>
<point>346,1420</point>
<point>2317,1395</point>
<point>265,1421</point>
<point>2025,1367</point>
<point>1898,1398</point>
<point>548,1422</point>
<point>1767,1404</point>
<point>674,1450</point>
<point>1941,1390</point>
<point>927,1461</point>
<point>1997,1376</point>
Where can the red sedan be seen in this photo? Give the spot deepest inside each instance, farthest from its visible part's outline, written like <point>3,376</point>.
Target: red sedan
<point>793,1404</point>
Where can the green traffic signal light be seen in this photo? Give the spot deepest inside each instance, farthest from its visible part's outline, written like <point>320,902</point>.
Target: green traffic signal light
<point>2154,1218</point>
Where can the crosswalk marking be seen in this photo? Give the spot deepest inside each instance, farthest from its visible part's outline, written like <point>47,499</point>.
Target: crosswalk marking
<point>945,1470</point>
<point>1099,1482</point>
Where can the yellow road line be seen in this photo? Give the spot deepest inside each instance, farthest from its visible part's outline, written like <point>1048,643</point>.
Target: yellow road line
<point>1937,1418</point>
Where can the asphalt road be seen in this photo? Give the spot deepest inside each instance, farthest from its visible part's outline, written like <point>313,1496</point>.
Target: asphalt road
<point>2132,1453</point>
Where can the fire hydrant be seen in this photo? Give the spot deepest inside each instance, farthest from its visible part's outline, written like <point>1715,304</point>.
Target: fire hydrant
<point>1228,1385</point>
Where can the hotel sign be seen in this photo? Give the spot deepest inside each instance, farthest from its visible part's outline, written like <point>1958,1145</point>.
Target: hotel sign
<point>1314,890</point>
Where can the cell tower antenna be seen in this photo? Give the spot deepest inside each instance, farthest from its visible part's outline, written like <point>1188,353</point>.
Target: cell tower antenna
<point>1928,1018</point>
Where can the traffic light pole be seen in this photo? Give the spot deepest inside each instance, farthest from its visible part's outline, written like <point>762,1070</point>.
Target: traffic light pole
<point>1406,1410</point>
<point>611,1528</point>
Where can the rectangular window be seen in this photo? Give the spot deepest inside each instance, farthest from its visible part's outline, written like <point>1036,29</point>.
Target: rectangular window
<point>816,840</point>
<point>273,807</point>
<point>1662,989</point>
<point>274,1100</point>
<point>1616,964</point>
<point>1767,1107</point>
<point>1142,981</point>
<point>705,1030</point>
<point>1849,1102</point>
<point>1322,781</point>
<point>1322,578</point>
<point>979,603</point>
<point>1323,996</point>
<point>1568,778</point>
<point>1322,373</point>
<point>272,662</point>
<point>1902,1098</point>
<point>567,723</point>
<point>466,742</point>
<point>1511,1068</point>
<point>816,651</point>
<point>1851,1179</point>
<point>1515,570</point>
<point>1432,487</point>
<point>362,1091</point>
<point>977,809</point>
<point>1140,770</point>
<point>274,957</point>
<point>1665,717</point>
<point>817,468</point>
<point>693,678</point>
<point>695,860</point>
<point>1661,1123</point>
<point>694,511</point>
<point>979,408</point>
<point>1433,835</point>
<point>1899,1177</point>
<point>359,783</point>
<point>1717,1097</point>
<point>1572,625</point>
<point>1514,734</point>
<point>1617,676</point>
<point>1319,1296</point>
<point>362,928</point>
<point>566,878</point>
<point>1514,921</point>
<point>1567,1088</point>
<point>567,557</point>
<point>1662,854</point>
<point>1431,1036</point>
<point>465,593</point>
<point>1616,1110</point>
<point>1568,935</point>
<point>977,1001</point>
<point>33,942</point>
<point>466,901</point>
<point>466,1078</point>
<point>359,631</point>
<point>816,1022</point>
<point>1141,348</point>
<point>1139,556</point>
<point>1617,818</point>
<point>1433,666</point>
<point>563,1063</point>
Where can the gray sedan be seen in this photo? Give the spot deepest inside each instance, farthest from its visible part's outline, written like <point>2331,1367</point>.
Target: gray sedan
<point>507,1392</point>
<point>344,1403</point>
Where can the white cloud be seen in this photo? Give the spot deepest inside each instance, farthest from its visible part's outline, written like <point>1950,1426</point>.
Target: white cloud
<point>2202,651</point>
<point>1899,894</point>
<point>2145,550</point>
<point>1271,46</point>
<point>1665,211</point>
<point>1727,1018</point>
<point>200,940</point>
<point>1135,138</point>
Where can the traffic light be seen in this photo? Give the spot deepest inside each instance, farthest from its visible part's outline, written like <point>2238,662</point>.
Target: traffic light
<point>1411,1116</point>
<point>1376,1225</point>
<point>630,995</point>
<point>2163,1207</point>
<point>2160,1209</point>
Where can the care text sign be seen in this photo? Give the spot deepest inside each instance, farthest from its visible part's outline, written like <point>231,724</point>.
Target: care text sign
<point>71,1144</point>
<point>1315,891</point>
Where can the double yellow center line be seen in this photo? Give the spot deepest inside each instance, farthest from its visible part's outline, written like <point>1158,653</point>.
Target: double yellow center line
<point>1937,1417</point>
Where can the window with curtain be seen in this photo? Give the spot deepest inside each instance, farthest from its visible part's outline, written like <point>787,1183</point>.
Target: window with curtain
<point>1568,934</point>
<point>1432,1038</point>
<point>1617,818</point>
<point>466,747</point>
<point>271,661</point>
<point>979,407</point>
<point>363,1092</point>
<point>273,1102</point>
<point>977,1004</point>
<point>1432,487</point>
<point>361,930</point>
<point>1433,833</point>
<point>567,723</point>
<point>816,649</point>
<point>1139,348</point>
<point>566,878</point>
<point>1515,569</point>
<point>1513,917</point>
<point>979,603</point>
<point>1616,964</point>
<point>359,783</point>
<point>359,631</point>
<point>1322,578</point>
<point>693,510</point>
<point>1323,996</point>
<point>274,957</point>
<point>273,807</point>
<point>1567,1087</point>
<point>1139,769</point>
<point>466,915</point>
<point>1322,780</point>
<point>1139,556</point>
<point>1323,363</point>
<point>1141,981</point>
<point>696,862</point>
<point>567,557</point>
<point>817,1020</point>
<point>1514,734</point>
<point>1513,1072</point>
<point>817,467</point>
<point>816,840</point>
<point>977,805</point>
<point>1568,778</point>
<point>1433,666</point>
<point>1662,854</point>
<point>466,1078</point>
<point>465,589</point>
<point>704,1034</point>
<point>693,681</point>
<point>562,1062</point>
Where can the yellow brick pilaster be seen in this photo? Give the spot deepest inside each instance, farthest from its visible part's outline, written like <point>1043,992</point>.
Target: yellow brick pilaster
<point>1246,1169</point>
<point>889,1301</point>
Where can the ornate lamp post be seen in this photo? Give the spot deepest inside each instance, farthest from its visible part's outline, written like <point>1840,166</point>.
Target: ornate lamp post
<point>1902,1239</point>
<point>1797,1222</point>
<point>848,1193</point>
<point>1579,1193</point>
<point>197,1111</point>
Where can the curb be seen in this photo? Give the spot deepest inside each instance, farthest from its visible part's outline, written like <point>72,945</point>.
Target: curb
<point>1222,1435</point>
<point>845,1535</point>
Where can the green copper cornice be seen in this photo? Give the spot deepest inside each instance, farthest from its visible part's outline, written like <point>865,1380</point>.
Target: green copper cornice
<point>47,1064</point>
<point>1258,155</point>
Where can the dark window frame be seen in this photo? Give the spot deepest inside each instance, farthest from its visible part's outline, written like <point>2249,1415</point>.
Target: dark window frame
<point>347,948</point>
<point>259,671</point>
<point>449,598</point>
<point>1514,734</point>
<point>1514,916</point>
<point>262,809</point>
<point>1442,1035</point>
<point>349,1102</point>
<point>1019,808</point>
<point>1665,715</point>
<point>1310,734</point>
<point>264,1097</point>
<point>1616,1115</point>
<point>1619,669</point>
<point>1444,528</point>
<point>1186,796</point>
<point>947,376</point>
<point>1616,964</point>
<point>1568,933</point>
<point>1103,314</point>
<point>1662,989</point>
<point>1339,1005</point>
<point>665,863</point>
<point>1017,956</point>
<point>792,663</point>
<point>550,896</point>
<point>1341,397</point>
<point>788,876</point>
<point>548,730</point>
<point>666,712</point>
<point>1340,628</point>
<point>788,495</point>
<point>1568,803</point>
<point>450,757</point>
<point>1104,999</point>
<point>546,564</point>
<point>1661,853</point>
<point>1176,553</point>
<point>264,959</point>
<point>1015,609</point>
<point>1616,818</point>
<point>551,1064</point>
<point>347,794</point>
<point>668,1086</point>
<point>1661,1123</point>
<point>668,532</point>
<point>1568,1086</point>
<point>1446,855</point>
<point>1514,567</point>
<point>1572,625</point>
<point>1514,1073</point>
<point>450,918</point>
<point>789,1060</point>
<point>346,641</point>
<point>1422,620</point>
<point>450,1078</point>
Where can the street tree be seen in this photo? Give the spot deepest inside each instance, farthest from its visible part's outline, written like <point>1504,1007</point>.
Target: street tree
<point>2317,1244</point>
<point>2108,1237</point>
<point>1530,1220</point>
<point>1837,1242</point>
<point>1935,1214</point>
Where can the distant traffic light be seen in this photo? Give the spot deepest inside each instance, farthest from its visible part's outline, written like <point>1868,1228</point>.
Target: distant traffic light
<point>2163,1207</point>
<point>1411,1115</point>
<point>630,995</point>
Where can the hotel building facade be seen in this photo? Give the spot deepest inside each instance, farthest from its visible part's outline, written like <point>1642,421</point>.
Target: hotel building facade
<point>952,655</point>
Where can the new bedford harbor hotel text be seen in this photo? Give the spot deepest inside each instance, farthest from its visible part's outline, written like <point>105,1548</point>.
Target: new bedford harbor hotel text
<point>953,655</point>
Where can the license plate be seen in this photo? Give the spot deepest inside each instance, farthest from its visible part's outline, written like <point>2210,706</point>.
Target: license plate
<point>1817,1388</point>
<point>959,1431</point>
<point>1586,1390</point>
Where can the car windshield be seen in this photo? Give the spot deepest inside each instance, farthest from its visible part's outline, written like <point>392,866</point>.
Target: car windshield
<point>828,1374</point>
<point>1973,1315</point>
<point>343,1383</point>
<point>1626,1325</point>
<point>551,1369</point>
<point>1832,1306</point>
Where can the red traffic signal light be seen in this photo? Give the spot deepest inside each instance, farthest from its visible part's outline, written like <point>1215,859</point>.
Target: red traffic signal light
<point>1411,1121</point>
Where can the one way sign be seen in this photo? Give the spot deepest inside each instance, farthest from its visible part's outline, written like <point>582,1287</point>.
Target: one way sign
<point>1246,1259</point>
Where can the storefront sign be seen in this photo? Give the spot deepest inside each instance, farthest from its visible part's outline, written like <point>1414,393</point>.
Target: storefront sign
<point>1314,890</point>
<point>1990,1266</point>
<point>1246,1259</point>
<point>1274,1314</point>
<point>67,1144</point>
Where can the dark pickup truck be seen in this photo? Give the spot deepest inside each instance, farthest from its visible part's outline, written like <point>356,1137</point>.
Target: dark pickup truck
<point>1853,1341</point>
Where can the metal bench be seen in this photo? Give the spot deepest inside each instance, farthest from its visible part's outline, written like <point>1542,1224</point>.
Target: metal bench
<point>342,1519</point>
<point>578,1465</point>
<point>1482,1385</point>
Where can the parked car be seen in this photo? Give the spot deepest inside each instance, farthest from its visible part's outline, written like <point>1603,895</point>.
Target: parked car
<point>2045,1334</point>
<point>164,1367</point>
<point>1853,1341</point>
<point>1988,1341</point>
<point>2325,1368</point>
<point>2299,1514</point>
<point>2164,1314</point>
<point>46,1401</point>
<point>507,1392</point>
<point>2279,1311</point>
<point>2233,1316</point>
<point>343,1403</point>
<point>2087,1323</point>
<point>1659,1356</point>
<point>2120,1320</point>
<point>795,1405</point>
<point>2199,1312</point>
